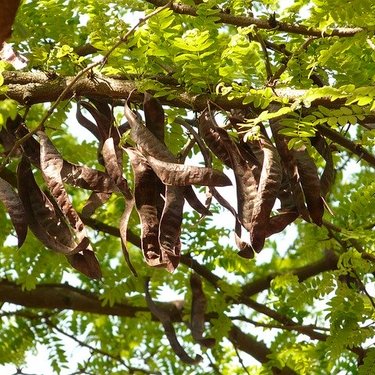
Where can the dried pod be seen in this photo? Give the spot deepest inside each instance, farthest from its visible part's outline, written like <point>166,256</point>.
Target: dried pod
<point>218,140</point>
<point>269,185</point>
<point>87,178</point>
<point>149,204</point>
<point>114,168</point>
<point>280,221</point>
<point>290,166</point>
<point>310,184</point>
<point>170,227</point>
<point>198,309</point>
<point>182,175</point>
<point>85,261</point>
<point>245,249</point>
<point>169,330</point>
<point>194,202</point>
<point>40,213</point>
<point>146,140</point>
<point>154,116</point>
<point>124,233</point>
<point>51,164</point>
<point>14,207</point>
<point>8,13</point>
<point>85,122</point>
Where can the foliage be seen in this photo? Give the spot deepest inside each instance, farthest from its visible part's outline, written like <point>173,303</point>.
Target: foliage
<point>125,110</point>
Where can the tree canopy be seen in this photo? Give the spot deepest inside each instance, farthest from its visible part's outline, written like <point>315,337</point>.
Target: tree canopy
<point>121,123</point>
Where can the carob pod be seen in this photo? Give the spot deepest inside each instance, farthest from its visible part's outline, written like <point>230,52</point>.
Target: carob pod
<point>51,164</point>
<point>149,204</point>
<point>164,164</point>
<point>114,169</point>
<point>198,309</point>
<point>40,213</point>
<point>169,330</point>
<point>290,165</point>
<point>14,207</point>
<point>170,227</point>
<point>218,140</point>
<point>268,188</point>
<point>245,249</point>
<point>328,176</point>
<point>72,174</point>
<point>181,175</point>
<point>310,184</point>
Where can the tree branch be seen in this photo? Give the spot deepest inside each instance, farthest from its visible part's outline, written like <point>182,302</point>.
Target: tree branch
<point>356,149</point>
<point>298,328</point>
<point>32,88</point>
<point>35,87</point>
<point>328,262</point>
<point>259,351</point>
<point>66,297</point>
<point>261,23</point>
<point>245,299</point>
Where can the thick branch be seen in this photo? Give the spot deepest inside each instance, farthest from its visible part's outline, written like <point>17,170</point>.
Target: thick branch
<point>356,149</point>
<point>328,262</point>
<point>32,88</point>
<point>64,296</point>
<point>61,297</point>
<point>262,23</point>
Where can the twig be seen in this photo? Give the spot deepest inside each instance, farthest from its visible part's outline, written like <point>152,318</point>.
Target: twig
<point>372,301</point>
<point>93,349</point>
<point>331,227</point>
<point>356,149</point>
<point>267,62</point>
<point>20,372</point>
<point>294,327</point>
<point>290,55</point>
<point>213,365</point>
<point>240,360</point>
<point>183,154</point>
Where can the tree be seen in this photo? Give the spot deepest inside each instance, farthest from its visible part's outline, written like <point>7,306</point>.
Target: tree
<point>176,95</point>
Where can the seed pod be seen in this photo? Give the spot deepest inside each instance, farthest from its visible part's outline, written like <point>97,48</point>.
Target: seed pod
<point>310,184</point>
<point>14,207</point>
<point>269,185</point>
<point>170,227</point>
<point>218,140</point>
<point>290,165</point>
<point>169,330</point>
<point>328,176</point>
<point>198,309</point>
<point>149,204</point>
